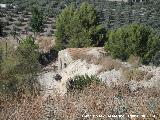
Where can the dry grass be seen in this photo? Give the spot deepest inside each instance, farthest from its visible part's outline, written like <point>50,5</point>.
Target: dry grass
<point>86,53</point>
<point>45,43</point>
<point>93,100</point>
<point>135,74</point>
<point>106,62</point>
<point>134,61</point>
<point>26,108</point>
<point>82,56</point>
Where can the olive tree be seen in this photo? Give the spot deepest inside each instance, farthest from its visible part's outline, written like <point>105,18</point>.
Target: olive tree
<point>36,21</point>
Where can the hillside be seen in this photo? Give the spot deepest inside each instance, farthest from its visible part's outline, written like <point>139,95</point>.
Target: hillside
<point>129,95</point>
<point>113,14</point>
<point>78,60</point>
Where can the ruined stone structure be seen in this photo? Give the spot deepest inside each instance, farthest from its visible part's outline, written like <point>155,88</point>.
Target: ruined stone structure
<point>67,56</point>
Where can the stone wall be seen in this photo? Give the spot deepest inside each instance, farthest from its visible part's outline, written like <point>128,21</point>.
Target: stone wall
<point>64,59</point>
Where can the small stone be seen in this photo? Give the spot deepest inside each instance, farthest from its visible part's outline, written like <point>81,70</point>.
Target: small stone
<point>57,77</point>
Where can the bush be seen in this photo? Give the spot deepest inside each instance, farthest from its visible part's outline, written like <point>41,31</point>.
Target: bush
<point>36,21</point>
<point>136,74</point>
<point>78,27</point>
<point>80,82</point>
<point>108,64</point>
<point>18,67</point>
<point>27,54</point>
<point>46,58</point>
<point>156,59</point>
<point>134,39</point>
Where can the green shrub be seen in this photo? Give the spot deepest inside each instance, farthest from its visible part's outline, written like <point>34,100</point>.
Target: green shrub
<point>134,39</point>
<point>78,27</point>
<point>80,82</point>
<point>18,67</point>
<point>156,59</point>
<point>37,20</point>
<point>27,54</point>
<point>7,65</point>
<point>46,58</point>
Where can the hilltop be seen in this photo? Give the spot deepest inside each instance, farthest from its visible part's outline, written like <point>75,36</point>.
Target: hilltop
<point>71,60</point>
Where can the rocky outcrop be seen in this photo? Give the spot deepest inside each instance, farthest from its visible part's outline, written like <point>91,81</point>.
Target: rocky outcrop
<point>67,56</point>
<point>70,67</point>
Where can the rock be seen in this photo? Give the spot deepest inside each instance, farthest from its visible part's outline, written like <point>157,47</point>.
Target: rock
<point>110,77</point>
<point>134,86</point>
<point>57,77</point>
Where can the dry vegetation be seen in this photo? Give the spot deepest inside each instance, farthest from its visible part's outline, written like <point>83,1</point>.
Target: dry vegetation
<point>45,43</point>
<point>93,100</point>
<point>106,62</point>
<point>135,74</point>
<point>135,61</point>
<point>25,109</point>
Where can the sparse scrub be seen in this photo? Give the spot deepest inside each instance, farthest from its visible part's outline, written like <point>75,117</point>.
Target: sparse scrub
<point>21,108</point>
<point>134,61</point>
<point>45,43</point>
<point>135,74</point>
<point>88,58</point>
<point>92,100</point>
<point>106,62</point>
